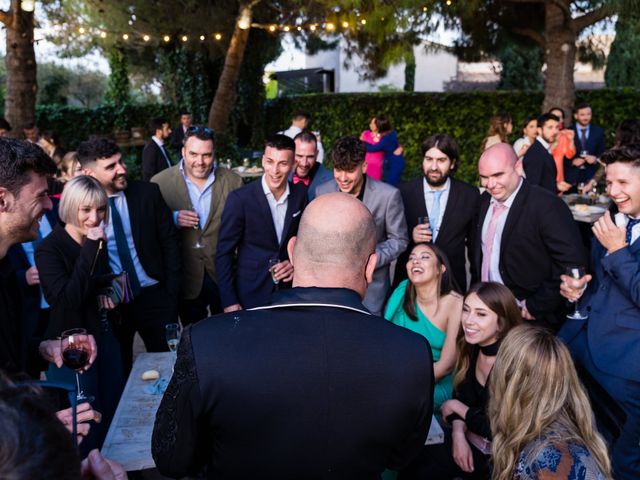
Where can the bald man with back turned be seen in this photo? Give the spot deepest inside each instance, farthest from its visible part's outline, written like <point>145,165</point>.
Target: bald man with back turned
<point>311,386</point>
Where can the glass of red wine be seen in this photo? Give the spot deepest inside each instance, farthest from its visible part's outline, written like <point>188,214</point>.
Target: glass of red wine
<point>76,349</point>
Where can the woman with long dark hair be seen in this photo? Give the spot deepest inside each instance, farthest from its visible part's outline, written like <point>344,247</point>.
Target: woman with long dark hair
<point>388,144</point>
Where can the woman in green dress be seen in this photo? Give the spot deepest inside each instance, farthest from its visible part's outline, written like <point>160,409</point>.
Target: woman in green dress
<point>428,303</point>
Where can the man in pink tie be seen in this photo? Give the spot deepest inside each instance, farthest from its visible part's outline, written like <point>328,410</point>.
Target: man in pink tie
<point>524,238</point>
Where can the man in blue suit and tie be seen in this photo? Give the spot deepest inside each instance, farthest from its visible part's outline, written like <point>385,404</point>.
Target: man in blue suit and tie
<point>607,342</point>
<point>257,222</point>
<point>589,142</point>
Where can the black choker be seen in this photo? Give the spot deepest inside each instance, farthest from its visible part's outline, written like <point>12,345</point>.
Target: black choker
<point>490,350</point>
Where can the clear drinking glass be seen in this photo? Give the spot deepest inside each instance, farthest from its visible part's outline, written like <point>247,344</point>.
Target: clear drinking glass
<point>172,334</point>
<point>272,265</point>
<point>576,272</point>
<point>199,243</point>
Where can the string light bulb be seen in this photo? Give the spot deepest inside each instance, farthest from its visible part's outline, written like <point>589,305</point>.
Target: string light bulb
<point>244,22</point>
<point>448,3</point>
<point>218,36</point>
<point>299,28</point>
<point>28,5</point>
<point>363,21</point>
<point>103,34</point>
<point>202,38</point>
<point>345,24</point>
<point>81,30</point>
<point>330,26</point>
<point>166,38</point>
<point>287,28</point>
<point>184,38</point>
<point>146,38</point>
<point>313,28</point>
<point>272,28</point>
<point>125,36</point>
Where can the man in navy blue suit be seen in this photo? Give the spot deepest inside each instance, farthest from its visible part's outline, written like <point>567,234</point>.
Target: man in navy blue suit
<point>607,343</point>
<point>538,164</point>
<point>257,222</point>
<point>589,142</point>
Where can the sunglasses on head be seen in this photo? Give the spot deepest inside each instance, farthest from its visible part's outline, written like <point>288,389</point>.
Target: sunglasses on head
<point>200,131</point>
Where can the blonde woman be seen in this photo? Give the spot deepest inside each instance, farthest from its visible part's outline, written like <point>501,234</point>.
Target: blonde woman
<point>540,414</point>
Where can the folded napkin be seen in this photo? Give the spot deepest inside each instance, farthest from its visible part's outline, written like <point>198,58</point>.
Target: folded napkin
<point>157,388</point>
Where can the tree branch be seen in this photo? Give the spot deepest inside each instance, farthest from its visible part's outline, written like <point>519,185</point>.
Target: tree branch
<point>530,33</point>
<point>6,17</point>
<point>564,7</point>
<point>594,16</point>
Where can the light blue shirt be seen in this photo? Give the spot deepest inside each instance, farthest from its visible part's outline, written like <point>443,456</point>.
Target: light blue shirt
<point>428,201</point>
<point>200,200</point>
<point>44,229</point>
<point>114,259</point>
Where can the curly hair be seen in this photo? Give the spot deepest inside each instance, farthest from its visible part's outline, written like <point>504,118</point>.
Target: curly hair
<point>17,159</point>
<point>348,153</point>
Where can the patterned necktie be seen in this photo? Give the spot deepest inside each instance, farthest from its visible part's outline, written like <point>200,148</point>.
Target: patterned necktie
<point>434,215</point>
<point>630,224</point>
<point>489,239</point>
<point>583,138</point>
<point>123,247</point>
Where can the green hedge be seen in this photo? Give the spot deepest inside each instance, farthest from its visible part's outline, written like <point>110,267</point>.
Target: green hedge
<point>465,116</point>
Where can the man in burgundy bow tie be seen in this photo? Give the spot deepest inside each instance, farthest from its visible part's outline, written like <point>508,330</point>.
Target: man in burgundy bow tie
<point>307,170</point>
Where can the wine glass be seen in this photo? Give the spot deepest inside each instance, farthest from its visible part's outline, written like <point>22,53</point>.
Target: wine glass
<point>576,272</point>
<point>583,154</point>
<point>272,268</point>
<point>172,334</point>
<point>76,349</point>
<point>199,241</point>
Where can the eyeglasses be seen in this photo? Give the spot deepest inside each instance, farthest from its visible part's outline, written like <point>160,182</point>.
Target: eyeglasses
<point>200,131</point>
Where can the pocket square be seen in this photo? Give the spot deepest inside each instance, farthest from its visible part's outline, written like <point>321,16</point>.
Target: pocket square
<point>296,214</point>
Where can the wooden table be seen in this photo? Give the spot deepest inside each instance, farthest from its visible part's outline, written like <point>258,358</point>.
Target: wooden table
<point>128,441</point>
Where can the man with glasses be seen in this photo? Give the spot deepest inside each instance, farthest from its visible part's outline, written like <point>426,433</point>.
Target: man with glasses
<point>449,205</point>
<point>196,191</point>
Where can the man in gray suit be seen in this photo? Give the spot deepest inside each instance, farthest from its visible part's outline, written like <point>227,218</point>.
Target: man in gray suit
<point>385,204</point>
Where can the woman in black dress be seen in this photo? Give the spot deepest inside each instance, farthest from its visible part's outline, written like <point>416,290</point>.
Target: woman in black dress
<point>489,312</point>
<point>72,262</point>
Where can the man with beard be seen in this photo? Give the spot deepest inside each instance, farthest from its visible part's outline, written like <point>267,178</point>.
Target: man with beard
<point>155,156</point>
<point>449,204</point>
<point>307,170</point>
<point>141,240</point>
<point>539,165</point>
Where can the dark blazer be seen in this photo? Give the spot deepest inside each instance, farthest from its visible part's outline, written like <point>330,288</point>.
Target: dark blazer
<point>68,273</point>
<point>320,176</point>
<point>540,167</point>
<point>539,240</point>
<point>247,226</point>
<point>456,229</point>
<point>154,234</point>
<point>34,324</point>
<point>153,161</point>
<point>177,137</point>
<point>595,146</point>
<point>611,300</point>
<point>325,392</point>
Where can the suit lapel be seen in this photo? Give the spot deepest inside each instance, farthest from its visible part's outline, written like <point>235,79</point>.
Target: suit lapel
<point>451,207</point>
<point>133,205</point>
<point>294,205</point>
<point>513,214</point>
<point>264,210</point>
<point>216,199</point>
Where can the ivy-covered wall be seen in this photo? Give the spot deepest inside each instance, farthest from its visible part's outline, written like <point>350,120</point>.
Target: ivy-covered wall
<point>464,116</point>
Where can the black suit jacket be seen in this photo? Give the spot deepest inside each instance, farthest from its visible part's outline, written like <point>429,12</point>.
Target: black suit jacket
<point>540,167</point>
<point>296,392</point>
<point>68,276</point>
<point>539,240</point>
<point>595,146</point>
<point>154,234</point>
<point>177,137</point>
<point>153,161</point>
<point>456,229</point>
<point>247,226</point>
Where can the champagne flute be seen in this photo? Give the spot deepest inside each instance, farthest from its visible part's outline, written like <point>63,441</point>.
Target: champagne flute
<point>172,334</point>
<point>75,348</point>
<point>576,272</point>
<point>199,241</point>
<point>272,269</point>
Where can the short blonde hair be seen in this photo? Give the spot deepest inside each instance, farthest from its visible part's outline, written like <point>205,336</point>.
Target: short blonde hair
<point>78,191</point>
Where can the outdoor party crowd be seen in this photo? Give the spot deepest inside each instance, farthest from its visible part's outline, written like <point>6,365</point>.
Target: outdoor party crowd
<point>508,321</point>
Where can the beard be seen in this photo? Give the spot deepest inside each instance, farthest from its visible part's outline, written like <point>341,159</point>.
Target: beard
<point>436,182</point>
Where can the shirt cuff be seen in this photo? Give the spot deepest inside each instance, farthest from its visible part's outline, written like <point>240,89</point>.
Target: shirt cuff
<point>175,218</point>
